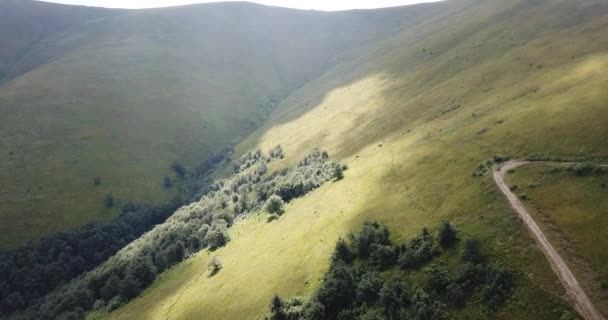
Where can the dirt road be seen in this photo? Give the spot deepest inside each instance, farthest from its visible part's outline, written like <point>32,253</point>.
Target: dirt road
<point>575,292</point>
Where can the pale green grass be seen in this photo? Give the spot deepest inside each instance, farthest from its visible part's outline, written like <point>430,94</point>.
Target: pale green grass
<point>573,211</point>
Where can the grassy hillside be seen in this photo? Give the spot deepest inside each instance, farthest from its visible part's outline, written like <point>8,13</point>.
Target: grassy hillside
<point>25,24</point>
<point>572,210</point>
<point>413,117</point>
<point>123,96</point>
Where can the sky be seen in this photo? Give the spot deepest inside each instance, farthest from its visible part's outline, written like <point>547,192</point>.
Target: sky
<point>329,5</point>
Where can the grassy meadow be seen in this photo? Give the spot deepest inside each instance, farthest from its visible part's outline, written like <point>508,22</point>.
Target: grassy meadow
<point>572,211</point>
<point>412,118</point>
<point>123,96</point>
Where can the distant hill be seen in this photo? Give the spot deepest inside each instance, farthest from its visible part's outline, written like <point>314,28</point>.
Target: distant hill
<point>117,95</point>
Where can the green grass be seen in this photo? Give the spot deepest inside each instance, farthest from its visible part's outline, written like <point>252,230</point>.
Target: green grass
<point>572,210</point>
<point>412,127</point>
<point>123,97</point>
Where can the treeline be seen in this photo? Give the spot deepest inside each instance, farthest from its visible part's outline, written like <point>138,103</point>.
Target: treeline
<point>32,271</point>
<point>37,268</point>
<point>370,279</point>
<point>202,224</point>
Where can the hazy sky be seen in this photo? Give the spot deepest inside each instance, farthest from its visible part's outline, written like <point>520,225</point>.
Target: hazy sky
<point>300,4</point>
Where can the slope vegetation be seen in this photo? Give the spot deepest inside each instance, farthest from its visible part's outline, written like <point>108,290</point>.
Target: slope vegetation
<point>413,117</point>
<point>106,103</point>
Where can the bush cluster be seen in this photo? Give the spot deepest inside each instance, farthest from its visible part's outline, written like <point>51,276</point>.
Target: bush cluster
<point>201,224</point>
<point>356,287</point>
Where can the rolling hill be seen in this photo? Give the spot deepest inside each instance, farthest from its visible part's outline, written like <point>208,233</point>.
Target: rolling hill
<point>413,116</point>
<point>117,96</point>
<point>419,102</point>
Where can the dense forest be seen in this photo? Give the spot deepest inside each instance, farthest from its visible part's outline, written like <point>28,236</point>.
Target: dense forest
<point>370,278</point>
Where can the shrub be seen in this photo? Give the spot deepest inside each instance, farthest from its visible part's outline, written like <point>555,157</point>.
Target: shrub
<point>498,285</point>
<point>276,152</point>
<point>338,173</point>
<point>472,251</point>
<point>585,168</point>
<point>167,182</point>
<point>500,158</point>
<point>109,200</point>
<point>214,266</point>
<point>274,204</point>
<point>96,181</point>
<point>179,169</point>
<point>447,234</point>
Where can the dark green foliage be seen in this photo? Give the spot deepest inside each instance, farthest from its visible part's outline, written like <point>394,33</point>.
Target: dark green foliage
<point>498,285</point>
<point>382,256</point>
<point>217,236</point>
<point>372,233</point>
<point>437,278</point>
<point>342,252</point>
<point>354,288</point>
<point>167,182</point>
<point>368,287</point>
<point>179,169</point>
<point>427,307</point>
<point>96,181</point>
<point>36,269</point>
<point>109,200</point>
<point>447,234</point>
<point>472,251</point>
<point>214,266</point>
<point>585,168</point>
<point>394,298</point>
<point>417,252</point>
<point>338,290</point>
<point>500,158</point>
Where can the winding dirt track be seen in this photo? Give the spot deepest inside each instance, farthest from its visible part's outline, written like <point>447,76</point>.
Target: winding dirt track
<point>575,292</point>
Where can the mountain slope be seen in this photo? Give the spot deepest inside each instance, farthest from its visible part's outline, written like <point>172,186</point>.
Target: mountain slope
<point>122,96</point>
<point>413,117</point>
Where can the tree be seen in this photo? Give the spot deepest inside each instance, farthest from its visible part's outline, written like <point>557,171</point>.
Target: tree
<point>394,296</point>
<point>368,288</point>
<point>217,236</point>
<point>274,204</point>
<point>447,234</point>
<point>342,251</point>
<point>97,181</point>
<point>110,288</point>
<point>277,311</point>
